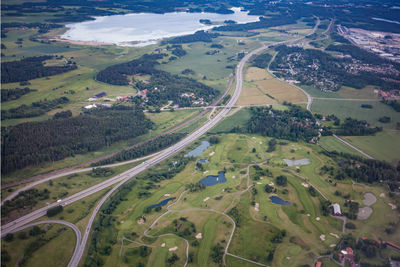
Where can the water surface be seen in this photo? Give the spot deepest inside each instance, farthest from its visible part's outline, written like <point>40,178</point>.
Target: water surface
<point>198,150</point>
<point>145,28</point>
<point>162,203</point>
<point>213,180</point>
<point>279,201</point>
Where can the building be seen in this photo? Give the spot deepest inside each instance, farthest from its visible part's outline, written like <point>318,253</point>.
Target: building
<point>100,95</point>
<point>336,210</point>
<point>318,264</point>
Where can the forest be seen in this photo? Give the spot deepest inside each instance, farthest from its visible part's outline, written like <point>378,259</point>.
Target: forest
<point>162,86</point>
<point>199,36</point>
<point>293,124</point>
<point>13,94</point>
<point>262,60</point>
<point>33,110</point>
<point>353,127</point>
<point>32,143</point>
<point>31,68</point>
<point>140,150</point>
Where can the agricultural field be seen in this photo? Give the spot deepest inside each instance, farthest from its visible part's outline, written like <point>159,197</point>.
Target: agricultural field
<point>260,88</point>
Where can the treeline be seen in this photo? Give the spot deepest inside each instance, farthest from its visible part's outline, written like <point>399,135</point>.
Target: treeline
<point>263,23</point>
<point>393,103</point>
<point>31,68</point>
<point>158,175</point>
<point>35,142</point>
<point>293,124</point>
<point>162,86</point>
<point>13,94</point>
<point>33,110</point>
<point>147,148</point>
<point>199,36</point>
<point>262,60</point>
<point>43,27</point>
<point>353,127</point>
<point>364,170</point>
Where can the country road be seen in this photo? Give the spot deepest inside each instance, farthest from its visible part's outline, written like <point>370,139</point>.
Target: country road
<point>120,179</point>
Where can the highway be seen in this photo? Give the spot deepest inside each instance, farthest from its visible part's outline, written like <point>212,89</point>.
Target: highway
<point>120,179</point>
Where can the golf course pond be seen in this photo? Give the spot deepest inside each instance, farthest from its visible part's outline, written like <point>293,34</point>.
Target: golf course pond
<point>162,203</point>
<point>203,160</point>
<point>213,180</point>
<point>279,201</point>
<point>198,150</point>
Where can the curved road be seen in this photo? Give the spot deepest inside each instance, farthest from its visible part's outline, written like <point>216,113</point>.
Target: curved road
<point>68,224</point>
<point>127,175</point>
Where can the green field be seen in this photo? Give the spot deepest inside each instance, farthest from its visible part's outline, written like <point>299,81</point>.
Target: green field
<point>383,146</point>
<point>330,143</point>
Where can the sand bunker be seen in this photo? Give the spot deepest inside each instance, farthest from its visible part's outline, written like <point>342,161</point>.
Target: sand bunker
<point>163,245</point>
<point>205,172</point>
<point>207,198</point>
<point>199,236</point>
<point>369,199</point>
<point>271,184</point>
<point>322,237</point>
<point>259,183</point>
<point>364,213</point>
<point>305,185</point>
<point>233,176</point>
<point>335,235</point>
<point>332,245</point>
<point>167,195</point>
<point>257,207</point>
<point>308,214</point>
<point>382,195</point>
<point>318,218</point>
<point>393,206</point>
<point>173,249</point>
<point>212,153</point>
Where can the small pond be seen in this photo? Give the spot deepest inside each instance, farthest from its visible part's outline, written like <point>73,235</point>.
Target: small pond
<point>162,203</point>
<point>203,160</point>
<point>279,201</point>
<point>198,150</point>
<point>213,180</point>
<point>297,162</point>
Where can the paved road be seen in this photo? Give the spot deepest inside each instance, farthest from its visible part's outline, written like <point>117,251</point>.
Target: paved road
<point>353,147</point>
<point>68,224</point>
<point>125,176</point>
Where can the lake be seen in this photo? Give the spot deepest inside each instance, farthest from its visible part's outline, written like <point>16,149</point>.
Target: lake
<point>203,160</point>
<point>162,203</point>
<point>279,201</point>
<point>198,150</point>
<point>213,180</point>
<point>146,28</point>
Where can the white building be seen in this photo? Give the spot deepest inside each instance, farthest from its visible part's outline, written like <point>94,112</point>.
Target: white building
<point>336,209</point>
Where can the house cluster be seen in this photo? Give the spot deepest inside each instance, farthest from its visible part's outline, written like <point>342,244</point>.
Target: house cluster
<point>390,95</point>
<point>347,254</point>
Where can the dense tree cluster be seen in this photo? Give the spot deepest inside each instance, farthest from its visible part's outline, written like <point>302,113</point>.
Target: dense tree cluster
<point>199,36</point>
<point>144,149</point>
<point>43,27</point>
<point>353,127</point>
<point>393,103</point>
<point>24,199</point>
<point>262,60</point>
<point>31,68</point>
<point>35,142</point>
<point>173,169</point>
<point>162,86</point>
<point>101,172</point>
<point>293,124</point>
<point>54,211</point>
<point>263,23</point>
<point>13,94</point>
<point>33,110</point>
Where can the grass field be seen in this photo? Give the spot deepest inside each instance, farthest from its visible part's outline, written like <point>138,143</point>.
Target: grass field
<point>383,146</point>
<point>330,143</point>
<point>344,109</point>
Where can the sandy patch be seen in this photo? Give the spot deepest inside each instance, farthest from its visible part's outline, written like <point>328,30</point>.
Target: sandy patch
<point>122,221</point>
<point>364,213</point>
<point>335,235</point>
<point>259,183</point>
<point>318,218</point>
<point>332,245</point>
<point>382,195</point>
<point>199,236</point>
<point>260,143</point>
<point>322,237</point>
<point>393,206</point>
<point>305,185</point>
<point>212,153</point>
<point>233,176</point>
<point>207,198</point>
<point>369,199</point>
<point>288,258</point>
<point>173,249</point>
<point>257,207</point>
<point>163,245</point>
<point>140,221</point>
<point>271,184</point>
<point>167,195</point>
<point>308,214</point>
<point>205,172</point>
